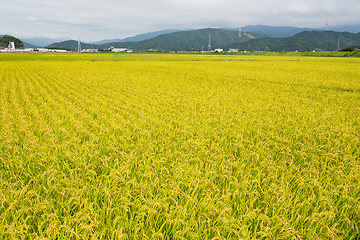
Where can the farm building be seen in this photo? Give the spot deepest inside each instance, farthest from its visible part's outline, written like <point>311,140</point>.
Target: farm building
<point>90,50</point>
<point>11,46</point>
<point>233,50</point>
<point>121,50</point>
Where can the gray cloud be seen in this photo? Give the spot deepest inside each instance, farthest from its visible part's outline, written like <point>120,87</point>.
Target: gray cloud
<point>96,20</point>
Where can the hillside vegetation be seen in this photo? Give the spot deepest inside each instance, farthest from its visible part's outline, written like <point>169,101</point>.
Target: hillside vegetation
<point>275,31</point>
<point>197,40</point>
<point>304,41</point>
<point>190,40</point>
<point>72,45</point>
<point>177,41</point>
<point>4,41</point>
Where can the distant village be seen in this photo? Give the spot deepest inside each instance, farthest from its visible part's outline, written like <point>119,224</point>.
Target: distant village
<point>11,48</point>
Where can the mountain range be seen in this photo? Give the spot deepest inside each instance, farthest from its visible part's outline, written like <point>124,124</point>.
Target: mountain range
<point>140,37</point>
<point>194,40</point>
<point>303,41</point>
<point>254,38</point>
<point>41,42</point>
<point>272,31</point>
<point>197,40</point>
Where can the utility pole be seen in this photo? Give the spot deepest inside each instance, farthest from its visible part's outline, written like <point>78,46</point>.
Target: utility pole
<point>209,46</point>
<point>79,45</point>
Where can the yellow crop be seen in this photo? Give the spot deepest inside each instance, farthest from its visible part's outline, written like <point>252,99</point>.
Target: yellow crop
<point>168,146</point>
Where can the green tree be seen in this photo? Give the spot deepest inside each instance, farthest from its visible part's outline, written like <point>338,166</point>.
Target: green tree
<point>4,41</point>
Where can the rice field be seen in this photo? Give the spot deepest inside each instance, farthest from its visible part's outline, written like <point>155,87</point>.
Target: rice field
<point>171,146</point>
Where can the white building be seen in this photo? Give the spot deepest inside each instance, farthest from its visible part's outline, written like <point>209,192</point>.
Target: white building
<point>121,50</point>
<point>233,50</point>
<point>42,50</point>
<point>219,50</point>
<point>90,50</point>
<point>58,50</point>
<point>49,50</point>
<point>11,46</point>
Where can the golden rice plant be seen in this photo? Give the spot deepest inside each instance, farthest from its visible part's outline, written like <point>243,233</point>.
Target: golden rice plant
<point>171,146</point>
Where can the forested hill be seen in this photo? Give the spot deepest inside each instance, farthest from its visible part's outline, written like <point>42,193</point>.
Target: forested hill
<point>199,39</point>
<point>72,45</point>
<point>177,41</point>
<point>189,40</point>
<point>4,41</point>
<point>304,41</point>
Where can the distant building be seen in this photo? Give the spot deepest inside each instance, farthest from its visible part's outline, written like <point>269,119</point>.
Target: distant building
<point>90,50</point>
<point>233,50</point>
<point>42,50</point>
<point>11,46</point>
<point>58,50</point>
<point>49,50</point>
<point>121,50</point>
<point>219,50</point>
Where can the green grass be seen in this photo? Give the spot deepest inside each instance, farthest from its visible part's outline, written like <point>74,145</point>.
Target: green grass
<point>137,146</point>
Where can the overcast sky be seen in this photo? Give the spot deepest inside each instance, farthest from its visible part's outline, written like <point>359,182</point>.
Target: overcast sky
<point>108,19</point>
